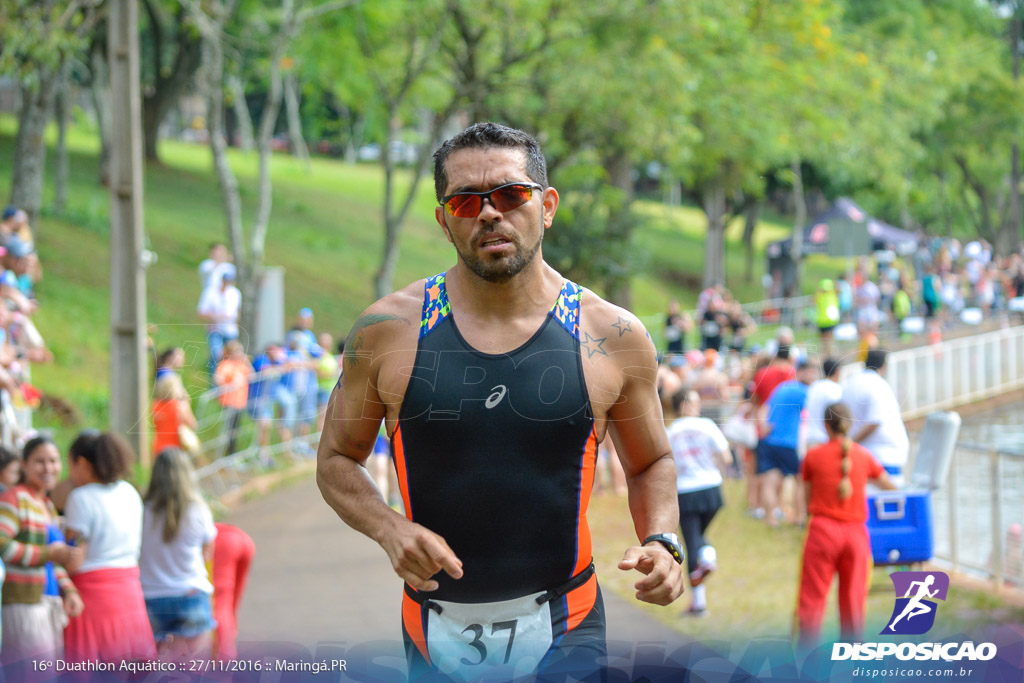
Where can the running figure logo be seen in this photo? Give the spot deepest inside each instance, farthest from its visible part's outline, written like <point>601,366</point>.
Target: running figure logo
<point>914,613</point>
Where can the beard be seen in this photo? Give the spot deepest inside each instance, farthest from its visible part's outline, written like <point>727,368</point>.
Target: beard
<point>502,268</point>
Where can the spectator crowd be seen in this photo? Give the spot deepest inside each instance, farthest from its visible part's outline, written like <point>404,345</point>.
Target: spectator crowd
<point>91,571</point>
<point>806,444</point>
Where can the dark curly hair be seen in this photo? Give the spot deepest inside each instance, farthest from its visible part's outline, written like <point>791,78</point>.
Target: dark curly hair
<point>109,454</point>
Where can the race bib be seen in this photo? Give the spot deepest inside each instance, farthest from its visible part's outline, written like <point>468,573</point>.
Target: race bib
<point>490,640</point>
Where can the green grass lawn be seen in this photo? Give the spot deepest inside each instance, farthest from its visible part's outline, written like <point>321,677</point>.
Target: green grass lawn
<point>325,231</point>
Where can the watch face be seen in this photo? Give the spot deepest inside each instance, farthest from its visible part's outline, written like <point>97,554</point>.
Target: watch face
<point>673,537</point>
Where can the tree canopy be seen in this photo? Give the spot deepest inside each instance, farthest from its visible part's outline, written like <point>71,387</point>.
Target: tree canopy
<point>912,106</point>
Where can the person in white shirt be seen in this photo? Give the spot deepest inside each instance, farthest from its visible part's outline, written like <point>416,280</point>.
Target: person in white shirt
<point>877,421</point>
<point>177,542</point>
<point>700,451</point>
<point>211,268</point>
<point>821,394</point>
<point>220,306</point>
<point>103,514</point>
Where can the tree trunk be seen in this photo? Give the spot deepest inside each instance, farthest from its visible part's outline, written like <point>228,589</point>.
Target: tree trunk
<point>619,170</point>
<point>151,119</point>
<point>230,198</point>
<point>983,216</point>
<point>355,138</point>
<point>29,147</point>
<point>258,238</point>
<point>62,112</point>
<point>800,201</point>
<point>714,244</point>
<point>947,213</point>
<point>243,119</point>
<point>291,101</point>
<point>394,220</point>
<point>171,80</point>
<point>751,217</point>
<point>1009,231</point>
<point>100,91</point>
<point>384,277</point>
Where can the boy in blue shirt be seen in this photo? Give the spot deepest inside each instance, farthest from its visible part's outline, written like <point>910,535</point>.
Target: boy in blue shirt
<point>777,456</point>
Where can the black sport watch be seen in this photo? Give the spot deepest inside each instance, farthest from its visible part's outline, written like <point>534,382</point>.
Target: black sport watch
<point>671,543</point>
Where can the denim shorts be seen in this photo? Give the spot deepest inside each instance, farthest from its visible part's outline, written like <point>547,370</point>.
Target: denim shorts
<point>185,616</point>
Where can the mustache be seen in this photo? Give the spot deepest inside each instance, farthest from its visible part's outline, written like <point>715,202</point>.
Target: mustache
<point>489,232</point>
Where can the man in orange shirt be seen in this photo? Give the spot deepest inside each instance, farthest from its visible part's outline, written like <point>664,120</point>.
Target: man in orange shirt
<point>232,379</point>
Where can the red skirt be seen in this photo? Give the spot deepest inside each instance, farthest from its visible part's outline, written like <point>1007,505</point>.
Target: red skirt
<point>114,625</point>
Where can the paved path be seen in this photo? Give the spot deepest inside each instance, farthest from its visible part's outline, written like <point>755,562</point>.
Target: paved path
<point>318,585</point>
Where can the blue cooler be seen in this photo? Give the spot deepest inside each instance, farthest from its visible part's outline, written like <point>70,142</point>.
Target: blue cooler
<point>900,522</point>
<point>900,526</point>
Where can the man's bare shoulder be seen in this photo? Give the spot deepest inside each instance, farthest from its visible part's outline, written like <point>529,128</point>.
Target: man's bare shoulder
<point>612,328</point>
<point>388,321</point>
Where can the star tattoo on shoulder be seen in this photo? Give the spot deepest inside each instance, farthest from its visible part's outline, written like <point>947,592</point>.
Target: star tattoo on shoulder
<point>623,325</point>
<point>593,345</point>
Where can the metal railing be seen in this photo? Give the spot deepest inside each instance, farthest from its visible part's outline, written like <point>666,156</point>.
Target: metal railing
<point>952,373</point>
<point>792,311</point>
<point>232,471</point>
<point>978,515</point>
<point>224,471</point>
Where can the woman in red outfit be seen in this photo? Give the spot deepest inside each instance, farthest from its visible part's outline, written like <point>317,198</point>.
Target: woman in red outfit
<point>232,554</point>
<point>836,476</point>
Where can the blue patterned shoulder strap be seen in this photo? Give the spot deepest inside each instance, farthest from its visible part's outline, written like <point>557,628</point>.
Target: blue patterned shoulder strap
<point>567,308</point>
<point>435,304</point>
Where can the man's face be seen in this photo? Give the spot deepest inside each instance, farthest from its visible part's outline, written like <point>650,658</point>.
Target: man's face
<point>495,245</point>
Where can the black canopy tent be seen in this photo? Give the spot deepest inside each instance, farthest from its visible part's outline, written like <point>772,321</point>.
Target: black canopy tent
<point>844,230</point>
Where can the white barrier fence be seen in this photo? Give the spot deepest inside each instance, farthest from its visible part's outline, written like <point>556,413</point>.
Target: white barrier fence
<point>224,471</point>
<point>952,373</point>
<point>978,515</point>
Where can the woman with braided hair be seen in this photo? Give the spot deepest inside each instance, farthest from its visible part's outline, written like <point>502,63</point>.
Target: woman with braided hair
<point>836,475</point>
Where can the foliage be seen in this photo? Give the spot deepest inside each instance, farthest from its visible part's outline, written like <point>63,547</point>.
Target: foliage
<point>37,34</point>
<point>908,105</point>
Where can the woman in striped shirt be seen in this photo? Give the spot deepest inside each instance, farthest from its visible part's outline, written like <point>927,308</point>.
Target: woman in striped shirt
<point>33,623</point>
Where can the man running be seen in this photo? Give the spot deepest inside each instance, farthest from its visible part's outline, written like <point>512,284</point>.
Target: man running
<point>915,607</point>
<point>497,379</point>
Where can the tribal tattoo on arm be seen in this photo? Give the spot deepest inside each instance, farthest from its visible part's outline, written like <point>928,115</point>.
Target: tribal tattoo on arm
<point>355,341</point>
